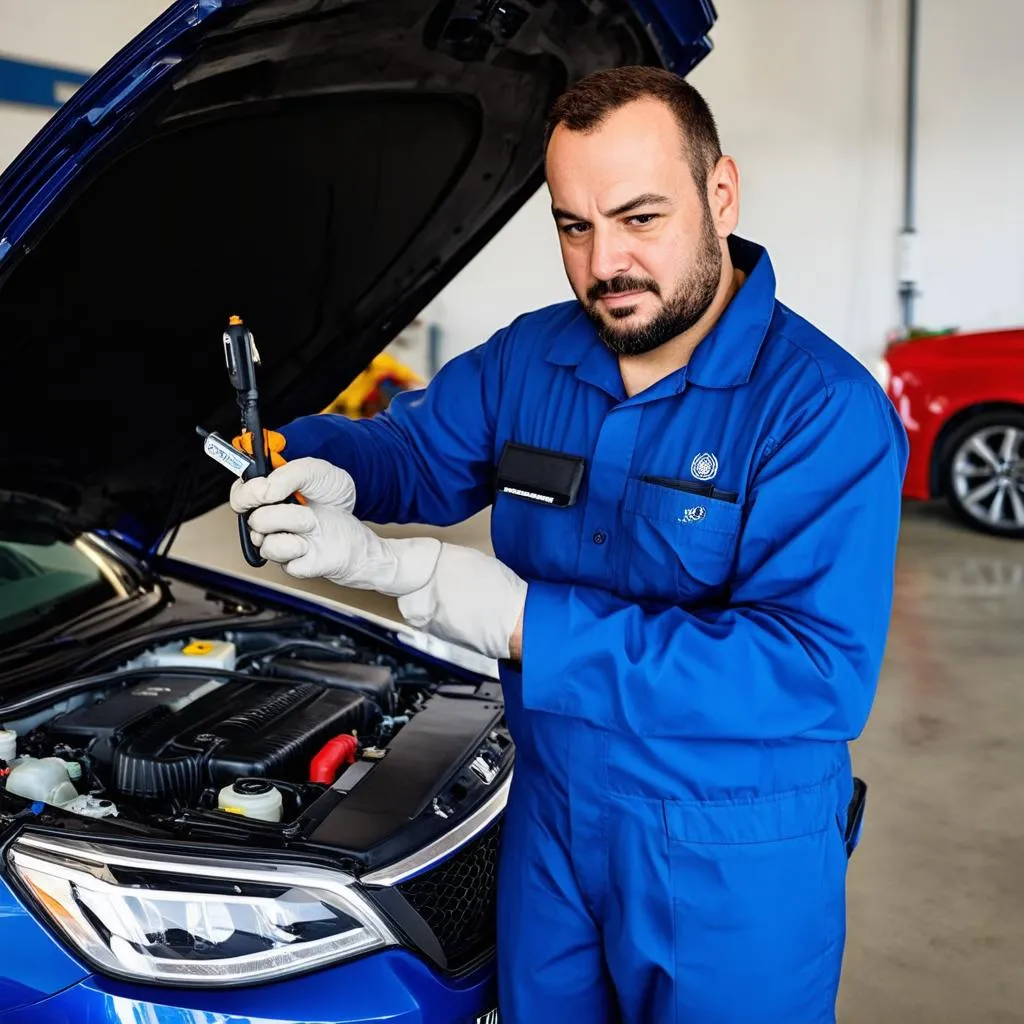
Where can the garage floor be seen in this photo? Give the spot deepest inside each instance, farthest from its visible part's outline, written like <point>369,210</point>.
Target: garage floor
<point>936,891</point>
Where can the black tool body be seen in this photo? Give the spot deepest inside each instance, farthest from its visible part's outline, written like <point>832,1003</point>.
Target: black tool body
<point>242,358</point>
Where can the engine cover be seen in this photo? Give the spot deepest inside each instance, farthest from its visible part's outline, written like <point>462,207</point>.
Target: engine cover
<point>249,729</point>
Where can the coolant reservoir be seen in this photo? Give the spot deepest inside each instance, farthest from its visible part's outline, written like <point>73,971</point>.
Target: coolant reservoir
<point>252,798</point>
<point>43,779</point>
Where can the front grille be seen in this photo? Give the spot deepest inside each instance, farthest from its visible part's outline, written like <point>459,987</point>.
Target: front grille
<point>457,899</point>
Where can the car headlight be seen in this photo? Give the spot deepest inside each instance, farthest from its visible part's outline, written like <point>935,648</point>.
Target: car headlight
<point>194,921</point>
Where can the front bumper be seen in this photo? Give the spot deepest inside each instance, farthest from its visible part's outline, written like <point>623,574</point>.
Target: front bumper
<point>393,986</point>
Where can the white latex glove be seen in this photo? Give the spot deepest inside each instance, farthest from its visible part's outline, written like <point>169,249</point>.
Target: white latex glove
<point>322,538</point>
<point>456,593</point>
<point>471,599</point>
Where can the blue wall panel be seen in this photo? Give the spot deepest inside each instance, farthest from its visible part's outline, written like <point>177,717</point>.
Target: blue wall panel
<point>36,85</point>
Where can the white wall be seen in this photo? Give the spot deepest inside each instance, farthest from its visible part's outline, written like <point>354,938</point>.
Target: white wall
<point>971,186</point>
<point>809,99</point>
<point>17,126</point>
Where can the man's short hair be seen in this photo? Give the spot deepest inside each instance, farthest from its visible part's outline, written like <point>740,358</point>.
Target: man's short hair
<point>584,107</point>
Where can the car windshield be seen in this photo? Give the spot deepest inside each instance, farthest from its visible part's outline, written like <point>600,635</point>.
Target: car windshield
<point>43,584</point>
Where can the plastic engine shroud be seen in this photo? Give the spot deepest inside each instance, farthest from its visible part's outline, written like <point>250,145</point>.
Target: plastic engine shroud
<point>160,754</point>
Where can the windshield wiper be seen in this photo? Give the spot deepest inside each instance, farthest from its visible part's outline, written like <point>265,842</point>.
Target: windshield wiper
<point>53,643</point>
<point>60,636</point>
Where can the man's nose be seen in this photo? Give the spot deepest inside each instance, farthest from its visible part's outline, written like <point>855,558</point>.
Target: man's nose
<point>609,257</point>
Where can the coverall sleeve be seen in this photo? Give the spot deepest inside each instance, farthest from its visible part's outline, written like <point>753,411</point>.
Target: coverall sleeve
<point>797,648</point>
<point>428,458</point>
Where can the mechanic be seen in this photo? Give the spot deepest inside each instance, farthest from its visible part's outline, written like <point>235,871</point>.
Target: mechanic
<point>689,640</point>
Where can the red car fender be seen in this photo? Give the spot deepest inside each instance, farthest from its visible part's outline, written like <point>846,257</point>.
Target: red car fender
<point>932,400</point>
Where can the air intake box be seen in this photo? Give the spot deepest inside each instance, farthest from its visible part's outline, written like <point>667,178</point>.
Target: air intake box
<point>248,730</point>
<point>103,726</point>
<point>376,681</point>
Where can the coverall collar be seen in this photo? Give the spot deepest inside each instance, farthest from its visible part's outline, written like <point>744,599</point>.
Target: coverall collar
<point>724,359</point>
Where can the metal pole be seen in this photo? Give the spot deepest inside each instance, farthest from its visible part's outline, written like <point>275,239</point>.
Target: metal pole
<point>909,270</point>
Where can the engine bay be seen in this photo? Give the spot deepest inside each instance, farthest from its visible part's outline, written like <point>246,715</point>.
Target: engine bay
<point>261,729</point>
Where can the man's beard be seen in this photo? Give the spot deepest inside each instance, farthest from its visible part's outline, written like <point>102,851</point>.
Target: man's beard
<point>690,301</point>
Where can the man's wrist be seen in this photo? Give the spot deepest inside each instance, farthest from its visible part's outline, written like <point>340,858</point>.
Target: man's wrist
<point>515,641</point>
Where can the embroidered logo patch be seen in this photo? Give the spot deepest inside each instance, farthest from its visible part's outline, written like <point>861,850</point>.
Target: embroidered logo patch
<point>704,466</point>
<point>695,514</point>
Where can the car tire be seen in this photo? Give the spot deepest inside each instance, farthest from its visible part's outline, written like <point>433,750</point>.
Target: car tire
<point>983,472</point>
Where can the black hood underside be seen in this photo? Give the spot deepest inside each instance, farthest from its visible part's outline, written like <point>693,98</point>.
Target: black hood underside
<point>322,170</point>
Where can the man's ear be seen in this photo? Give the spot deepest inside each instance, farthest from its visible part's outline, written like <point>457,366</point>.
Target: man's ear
<point>724,196</point>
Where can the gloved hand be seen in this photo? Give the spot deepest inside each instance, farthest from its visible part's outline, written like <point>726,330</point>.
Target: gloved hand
<point>323,538</point>
<point>471,599</point>
<point>455,593</point>
<point>274,441</point>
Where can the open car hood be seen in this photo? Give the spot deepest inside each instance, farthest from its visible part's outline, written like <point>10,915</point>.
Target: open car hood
<point>321,167</point>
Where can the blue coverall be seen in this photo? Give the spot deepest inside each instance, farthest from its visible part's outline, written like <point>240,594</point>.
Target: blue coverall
<point>693,664</point>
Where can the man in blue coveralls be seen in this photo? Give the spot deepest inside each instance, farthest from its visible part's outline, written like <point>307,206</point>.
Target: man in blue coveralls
<point>698,499</point>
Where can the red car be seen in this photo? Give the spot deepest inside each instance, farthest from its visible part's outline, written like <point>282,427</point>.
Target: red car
<point>961,399</point>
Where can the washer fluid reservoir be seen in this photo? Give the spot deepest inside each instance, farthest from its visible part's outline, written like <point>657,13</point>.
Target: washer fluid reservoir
<point>43,779</point>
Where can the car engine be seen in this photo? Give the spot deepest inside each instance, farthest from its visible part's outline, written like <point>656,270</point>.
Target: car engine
<point>249,725</point>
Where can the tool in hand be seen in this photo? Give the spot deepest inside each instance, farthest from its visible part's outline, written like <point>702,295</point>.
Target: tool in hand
<point>242,358</point>
<point>222,451</point>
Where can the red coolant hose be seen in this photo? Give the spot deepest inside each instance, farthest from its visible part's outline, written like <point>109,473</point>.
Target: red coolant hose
<point>334,753</point>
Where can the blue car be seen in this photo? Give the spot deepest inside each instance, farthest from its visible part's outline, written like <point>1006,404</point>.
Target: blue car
<point>220,802</point>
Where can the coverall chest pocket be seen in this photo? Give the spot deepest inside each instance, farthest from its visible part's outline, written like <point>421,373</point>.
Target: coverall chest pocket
<point>535,540</point>
<point>682,544</point>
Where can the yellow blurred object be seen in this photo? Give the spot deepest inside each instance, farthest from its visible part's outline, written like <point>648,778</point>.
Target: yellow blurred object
<point>373,389</point>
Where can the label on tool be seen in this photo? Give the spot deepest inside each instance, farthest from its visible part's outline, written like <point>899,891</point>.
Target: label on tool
<point>230,458</point>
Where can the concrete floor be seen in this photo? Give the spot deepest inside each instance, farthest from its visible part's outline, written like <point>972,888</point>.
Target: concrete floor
<point>936,890</point>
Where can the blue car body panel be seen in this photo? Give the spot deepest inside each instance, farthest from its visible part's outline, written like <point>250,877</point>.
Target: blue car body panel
<point>44,982</point>
<point>679,30</point>
<point>42,965</point>
<point>392,986</point>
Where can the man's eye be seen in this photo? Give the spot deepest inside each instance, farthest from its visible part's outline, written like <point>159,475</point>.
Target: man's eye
<point>643,218</point>
<point>574,229</point>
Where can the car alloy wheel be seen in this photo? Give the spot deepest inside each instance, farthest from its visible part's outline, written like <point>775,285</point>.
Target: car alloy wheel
<point>984,473</point>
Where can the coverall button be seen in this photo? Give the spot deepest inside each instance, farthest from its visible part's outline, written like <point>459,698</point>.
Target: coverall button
<point>599,536</point>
